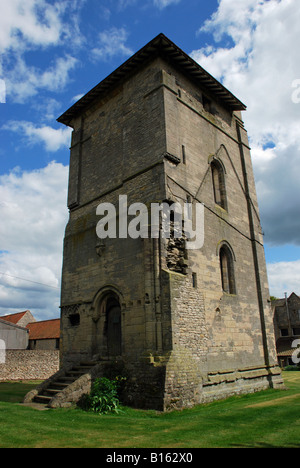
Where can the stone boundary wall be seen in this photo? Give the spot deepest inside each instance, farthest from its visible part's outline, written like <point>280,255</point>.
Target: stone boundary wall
<point>29,364</point>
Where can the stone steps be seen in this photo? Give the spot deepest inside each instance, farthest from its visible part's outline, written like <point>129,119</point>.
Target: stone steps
<point>63,382</point>
<point>42,399</point>
<point>59,385</point>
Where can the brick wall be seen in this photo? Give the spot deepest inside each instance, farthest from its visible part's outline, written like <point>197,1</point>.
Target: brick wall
<point>29,365</point>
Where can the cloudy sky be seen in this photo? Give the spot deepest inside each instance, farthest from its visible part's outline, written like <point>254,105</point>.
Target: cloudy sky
<point>53,52</point>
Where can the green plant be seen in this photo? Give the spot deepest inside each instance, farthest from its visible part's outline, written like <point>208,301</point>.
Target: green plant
<point>103,397</point>
<point>292,368</point>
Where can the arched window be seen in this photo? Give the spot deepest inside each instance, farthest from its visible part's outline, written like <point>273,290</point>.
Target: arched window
<point>218,178</point>
<point>227,270</point>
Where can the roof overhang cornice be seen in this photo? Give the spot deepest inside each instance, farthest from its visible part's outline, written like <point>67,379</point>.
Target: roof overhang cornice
<point>163,47</point>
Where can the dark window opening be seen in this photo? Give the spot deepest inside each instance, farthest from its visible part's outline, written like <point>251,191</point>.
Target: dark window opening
<point>227,270</point>
<point>183,155</point>
<point>74,320</point>
<point>219,184</point>
<point>113,329</point>
<point>284,332</point>
<point>296,331</point>
<point>194,279</point>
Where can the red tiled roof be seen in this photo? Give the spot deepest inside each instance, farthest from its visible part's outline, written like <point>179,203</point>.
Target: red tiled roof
<point>14,318</point>
<point>43,330</point>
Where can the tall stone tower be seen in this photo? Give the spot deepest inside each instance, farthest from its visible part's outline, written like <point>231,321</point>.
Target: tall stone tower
<point>187,325</point>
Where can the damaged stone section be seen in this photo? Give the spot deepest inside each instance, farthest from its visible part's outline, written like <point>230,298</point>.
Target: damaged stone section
<point>176,257</point>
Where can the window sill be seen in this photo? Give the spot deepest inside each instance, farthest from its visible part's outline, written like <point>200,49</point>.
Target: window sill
<point>226,294</point>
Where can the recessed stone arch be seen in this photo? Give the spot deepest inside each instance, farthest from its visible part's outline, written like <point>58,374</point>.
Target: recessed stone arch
<point>223,242</point>
<point>227,259</point>
<point>107,318</point>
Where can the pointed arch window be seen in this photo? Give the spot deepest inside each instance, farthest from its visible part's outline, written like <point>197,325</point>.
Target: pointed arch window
<point>218,178</point>
<point>227,270</point>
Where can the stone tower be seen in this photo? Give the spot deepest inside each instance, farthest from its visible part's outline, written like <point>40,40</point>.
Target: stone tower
<point>186,325</point>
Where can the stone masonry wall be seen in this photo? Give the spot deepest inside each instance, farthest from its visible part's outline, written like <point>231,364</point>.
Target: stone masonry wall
<point>233,329</point>
<point>112,146</point>
<point>29,365</point>
<point>184,339</point>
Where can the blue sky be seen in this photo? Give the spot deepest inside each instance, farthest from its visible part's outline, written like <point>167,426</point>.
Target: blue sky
<point>52,52</point>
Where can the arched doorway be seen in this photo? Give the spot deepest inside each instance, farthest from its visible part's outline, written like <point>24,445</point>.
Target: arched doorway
<point>113,328</point>
<point>107,323</point>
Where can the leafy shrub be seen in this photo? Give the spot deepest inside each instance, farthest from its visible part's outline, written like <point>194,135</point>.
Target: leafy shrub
<point>103,397</point>
<point>292,368</point>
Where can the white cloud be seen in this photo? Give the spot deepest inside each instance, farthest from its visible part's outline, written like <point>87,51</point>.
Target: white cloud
<point>122,4</point>
<point>76,98</point>
<point>258,61</point>
<point>31,25</point>
<point>105,12</point>
<point>29,21</point>
<point>24,81</point>
<point>2,92</point>
<point>53,139</point>
<point>48,110</point>
<point>34,214</point>
<point>111,42</point>
<point>284,277</point>
<point>164,3</point>
<point>262,157</point>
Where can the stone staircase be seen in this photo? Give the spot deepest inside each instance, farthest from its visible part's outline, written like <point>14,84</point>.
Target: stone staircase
<point>62,382</point>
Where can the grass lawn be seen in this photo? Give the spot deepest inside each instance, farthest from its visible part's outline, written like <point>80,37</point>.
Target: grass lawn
<point>265,419</point>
